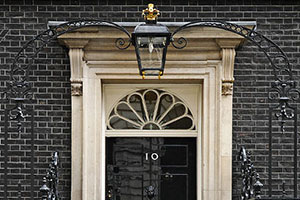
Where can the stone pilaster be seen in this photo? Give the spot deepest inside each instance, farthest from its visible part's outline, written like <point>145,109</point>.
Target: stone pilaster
<point>76,61</point>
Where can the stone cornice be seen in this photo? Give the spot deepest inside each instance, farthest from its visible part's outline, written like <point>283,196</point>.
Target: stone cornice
<point>133,24</point>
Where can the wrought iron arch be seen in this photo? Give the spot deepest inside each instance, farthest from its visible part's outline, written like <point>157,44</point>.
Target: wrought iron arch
<point>283,88</point>
<point>19,89</point>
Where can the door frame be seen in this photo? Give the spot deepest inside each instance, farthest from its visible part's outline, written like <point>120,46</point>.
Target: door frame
<point>208,61</point>
<point>180,90</point>
<point>208,167</point>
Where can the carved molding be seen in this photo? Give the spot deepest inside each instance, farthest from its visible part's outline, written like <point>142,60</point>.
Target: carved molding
<point>228,56</point>
<point>76,88</point>
<point>76,61</point>
<point>227,88</point>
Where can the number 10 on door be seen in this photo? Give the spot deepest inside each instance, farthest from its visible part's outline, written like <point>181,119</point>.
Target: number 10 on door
<point>153,156</point>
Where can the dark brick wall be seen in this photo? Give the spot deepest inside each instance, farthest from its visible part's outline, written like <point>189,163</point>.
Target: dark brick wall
<point>278,20</point>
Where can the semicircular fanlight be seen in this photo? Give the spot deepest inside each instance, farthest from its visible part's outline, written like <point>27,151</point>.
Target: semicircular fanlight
<point>150,109</point>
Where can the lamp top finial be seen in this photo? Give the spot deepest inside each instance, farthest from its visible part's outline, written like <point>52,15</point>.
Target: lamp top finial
<point>151,14</point>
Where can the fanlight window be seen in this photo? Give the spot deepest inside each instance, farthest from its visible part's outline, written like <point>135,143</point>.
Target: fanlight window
<point>150,109</point>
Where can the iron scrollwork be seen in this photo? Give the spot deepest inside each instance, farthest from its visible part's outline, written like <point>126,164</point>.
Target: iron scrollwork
<point>284,84</point>
<point>18,114</point>
<point>284,93</point>
<point>179,43</point>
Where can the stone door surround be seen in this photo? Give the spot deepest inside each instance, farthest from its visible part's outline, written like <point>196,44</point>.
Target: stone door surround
<point>207,60</point>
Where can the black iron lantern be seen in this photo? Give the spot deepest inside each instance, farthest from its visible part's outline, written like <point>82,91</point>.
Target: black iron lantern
<point>151,41</point>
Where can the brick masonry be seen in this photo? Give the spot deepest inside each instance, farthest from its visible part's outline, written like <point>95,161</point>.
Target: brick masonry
<point>21,20</point>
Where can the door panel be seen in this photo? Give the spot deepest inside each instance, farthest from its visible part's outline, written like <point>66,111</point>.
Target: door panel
<point>151,168</point>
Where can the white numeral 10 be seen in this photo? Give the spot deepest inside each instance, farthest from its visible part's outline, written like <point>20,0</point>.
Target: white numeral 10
<point>154,156</point>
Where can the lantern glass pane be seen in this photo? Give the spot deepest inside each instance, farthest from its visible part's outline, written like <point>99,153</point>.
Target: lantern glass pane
<point>151,53</point>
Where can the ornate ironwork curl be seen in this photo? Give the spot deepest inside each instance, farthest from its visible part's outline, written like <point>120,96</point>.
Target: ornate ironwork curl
<point>121,43</point>
<point>179,43</point>
<point>283,94</point>
<point>18,114</point>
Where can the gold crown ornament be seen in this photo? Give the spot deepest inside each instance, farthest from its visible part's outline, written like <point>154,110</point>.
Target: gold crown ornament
<point>151,14</point>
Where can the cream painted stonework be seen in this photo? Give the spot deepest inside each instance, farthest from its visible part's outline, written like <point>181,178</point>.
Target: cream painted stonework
<point>207,61</point>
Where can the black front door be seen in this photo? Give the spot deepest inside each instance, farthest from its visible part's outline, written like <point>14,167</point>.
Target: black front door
<point>151,168</point>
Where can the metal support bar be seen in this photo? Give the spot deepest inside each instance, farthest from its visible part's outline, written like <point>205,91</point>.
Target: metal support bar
<point>270,151</point>
<point>295,154</point>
